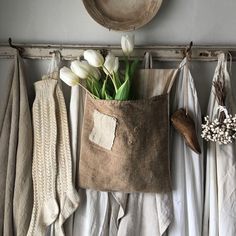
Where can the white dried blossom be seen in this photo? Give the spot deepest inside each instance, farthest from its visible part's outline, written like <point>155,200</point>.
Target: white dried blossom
<point>221,132</point>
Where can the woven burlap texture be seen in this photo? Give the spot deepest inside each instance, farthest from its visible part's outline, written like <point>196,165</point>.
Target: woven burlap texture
<point>138,159</point>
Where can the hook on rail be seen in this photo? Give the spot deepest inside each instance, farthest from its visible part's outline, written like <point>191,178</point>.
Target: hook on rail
<point>19,49</point>
<point>56,53</point>
<point>188,50</point>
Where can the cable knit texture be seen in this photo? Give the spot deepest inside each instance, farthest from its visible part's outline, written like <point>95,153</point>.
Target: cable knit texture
<point>45,208</point>
<point>55,197</point>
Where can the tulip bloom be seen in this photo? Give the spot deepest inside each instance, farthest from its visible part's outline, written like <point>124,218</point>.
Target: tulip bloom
<point>111,64</point>
<point>68,76</point>
<point>127,44</point>
<point>94,58</point>
<point>81,68</point>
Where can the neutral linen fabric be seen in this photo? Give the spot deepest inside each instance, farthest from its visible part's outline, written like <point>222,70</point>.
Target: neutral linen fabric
<point>115,213</point>
<point>147,214</point>
<point>186,165</point>
<point>16,155</point>
<point>103,132</point>
<point>220,197</point>
<point>75,114</point>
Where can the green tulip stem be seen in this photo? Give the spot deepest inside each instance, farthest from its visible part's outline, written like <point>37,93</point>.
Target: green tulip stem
<point>104,68</point>
<point>127,69</point>
<point>114,83</point>
<point>112,78</point>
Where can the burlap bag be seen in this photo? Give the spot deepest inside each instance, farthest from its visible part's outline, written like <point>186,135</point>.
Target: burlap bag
<point>125,144</point>
<point>137,159</point>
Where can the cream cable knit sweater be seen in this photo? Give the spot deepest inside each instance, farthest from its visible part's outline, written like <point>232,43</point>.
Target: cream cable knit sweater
<point>52,170</point>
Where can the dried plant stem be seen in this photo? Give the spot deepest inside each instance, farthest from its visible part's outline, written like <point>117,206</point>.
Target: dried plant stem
<point>220,95</point>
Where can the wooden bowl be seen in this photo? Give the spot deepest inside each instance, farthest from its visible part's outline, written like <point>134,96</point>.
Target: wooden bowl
<point>122,15</point>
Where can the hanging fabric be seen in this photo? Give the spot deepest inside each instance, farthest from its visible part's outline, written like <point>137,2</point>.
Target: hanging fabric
<point>15,156</point>
<point>148,213</point>
<point>186,165</point>
<point>76,114</point>
<point>220,196</point>
<point>55,198</point>
<point>98,211</point>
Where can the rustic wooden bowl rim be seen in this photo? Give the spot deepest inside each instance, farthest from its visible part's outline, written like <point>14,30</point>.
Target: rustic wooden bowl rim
<point>141,18</point>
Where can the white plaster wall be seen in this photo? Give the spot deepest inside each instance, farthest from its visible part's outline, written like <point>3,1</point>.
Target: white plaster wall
<point>65,22</point>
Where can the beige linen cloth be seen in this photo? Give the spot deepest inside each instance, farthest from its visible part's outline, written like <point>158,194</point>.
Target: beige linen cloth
<point>146,213</point>
<point>109,213</point>
<point>15,156</point>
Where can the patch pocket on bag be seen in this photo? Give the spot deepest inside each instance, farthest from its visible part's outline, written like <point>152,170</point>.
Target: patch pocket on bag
<point>103,132</point>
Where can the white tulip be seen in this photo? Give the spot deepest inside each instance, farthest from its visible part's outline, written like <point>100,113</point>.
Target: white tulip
<point>127,44</point>
<point>94,58</point>
<point>68,76</point>
<point>111,64</point>
<point>80,68</point>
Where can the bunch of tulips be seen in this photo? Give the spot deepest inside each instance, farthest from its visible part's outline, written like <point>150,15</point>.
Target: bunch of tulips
<point>102,77</point>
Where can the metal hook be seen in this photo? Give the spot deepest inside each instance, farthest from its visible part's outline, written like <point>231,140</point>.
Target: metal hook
<point>19,49</point>
<point>57,53</point>
<point>188,50</point>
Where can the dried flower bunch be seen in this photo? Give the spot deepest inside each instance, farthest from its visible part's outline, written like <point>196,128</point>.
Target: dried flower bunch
<point>222,129</point>
<point>220,132</point>
<point>101,76</point>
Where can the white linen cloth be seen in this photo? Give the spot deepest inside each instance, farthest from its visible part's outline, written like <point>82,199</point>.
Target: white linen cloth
<point>186,165</point>
<point>220,197</point>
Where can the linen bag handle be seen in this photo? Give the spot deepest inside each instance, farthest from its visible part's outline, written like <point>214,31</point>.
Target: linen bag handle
<point>148,64</point>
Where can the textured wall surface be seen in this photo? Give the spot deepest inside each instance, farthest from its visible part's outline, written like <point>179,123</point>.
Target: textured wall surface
<point>60,21</point>
<point>178,21</point>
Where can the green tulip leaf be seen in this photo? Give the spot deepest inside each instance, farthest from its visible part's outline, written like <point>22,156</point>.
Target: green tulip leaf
<point>127,68</point>
<point>133,68</point>
<point>89,85</point>
<point>123,92</point>
<point>108,97</point>
<point>103,93</point>
<point>95,89</point>
<point>117,79</point>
